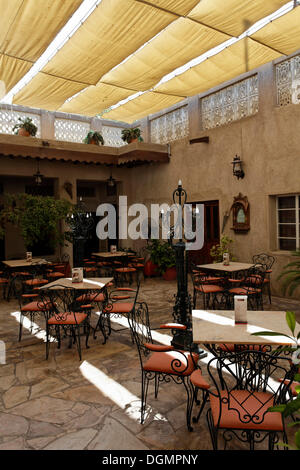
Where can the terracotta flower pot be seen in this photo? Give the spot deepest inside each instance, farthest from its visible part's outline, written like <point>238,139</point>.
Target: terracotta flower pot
<point>133,140</point>
<point>23,132</point>
<point>150,269</point>
<point>93,142</point>
<point>170,274</point>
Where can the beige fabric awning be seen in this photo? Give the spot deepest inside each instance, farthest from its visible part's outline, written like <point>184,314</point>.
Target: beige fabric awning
<point>134,109</point>
<point>26,29</point>
<point>229,63</point>
<point>126,46</point>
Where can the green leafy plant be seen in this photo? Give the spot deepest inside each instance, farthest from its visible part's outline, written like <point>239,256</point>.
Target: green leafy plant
<point>161,254</point>
<point>291,273</point>
<point>27,124</point>
<point>129,134</point>
<point>293,406</point>
<point>37,217</point>
<point>217,251</point>
<point>93,136</point>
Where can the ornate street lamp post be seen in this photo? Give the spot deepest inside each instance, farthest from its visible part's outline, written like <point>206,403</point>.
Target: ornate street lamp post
<point>80,222</point>
<point>182,310</point>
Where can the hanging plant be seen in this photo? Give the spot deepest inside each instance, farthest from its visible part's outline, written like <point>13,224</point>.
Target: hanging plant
<point>37,217</point>
<point>25,127</point>
<point>93,137</point>
<point>131,135</point>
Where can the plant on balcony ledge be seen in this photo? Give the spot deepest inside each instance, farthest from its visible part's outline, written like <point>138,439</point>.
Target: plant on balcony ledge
<point>93,137</point>
<point>25,127</point>
<point>132,135</point>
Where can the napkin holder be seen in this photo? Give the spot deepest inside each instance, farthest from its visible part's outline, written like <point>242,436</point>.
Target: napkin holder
<point>113,248</point>
<point>29,256</point>
<point>240,309</point>
<point>77,275</point>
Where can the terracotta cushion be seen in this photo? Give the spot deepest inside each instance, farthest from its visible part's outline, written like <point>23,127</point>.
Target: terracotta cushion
<point>198,380</point>
<point>129,289</point>
<point>98,298</point>
<point>255,404</point>
<point>56,275</point>
<point>120,297</point>
<point>67,318</point>
<point>158,347</point>
<point>36,282</point>
<point>208,288</point>
<point>172,326</point>
<point>29,296</point>
<point>33,307</point>
<point>125,270</point>
<point>119,307</point>
<point>90,270</point>
<point>162,362</point>
<point>3,281</point>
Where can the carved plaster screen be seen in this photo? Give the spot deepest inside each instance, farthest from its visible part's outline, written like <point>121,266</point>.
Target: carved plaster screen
<point>170,126</point>
<point>230,104</point>
<point>71,131</point>
<point>9,117</point>
<point>112,136</point>
<point>288,81</point>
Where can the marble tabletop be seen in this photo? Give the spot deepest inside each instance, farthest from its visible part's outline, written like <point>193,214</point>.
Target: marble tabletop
<point>94,283</point>
<point>218,326</point>
<point>232,267</point>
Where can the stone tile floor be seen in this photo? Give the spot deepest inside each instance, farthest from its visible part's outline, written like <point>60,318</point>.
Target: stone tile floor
<point>63,403</point>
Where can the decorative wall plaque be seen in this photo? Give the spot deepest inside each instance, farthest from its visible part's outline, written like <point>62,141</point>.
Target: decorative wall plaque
<point>240,214</point>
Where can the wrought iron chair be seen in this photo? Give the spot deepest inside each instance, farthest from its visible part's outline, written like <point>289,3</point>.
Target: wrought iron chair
<point>252,286</point>
<point>208,287</point>
<point>119,303</point>
<point>267,261</point>
<point>244,386</point>
<point>65,314</point>
<point>160,363</point>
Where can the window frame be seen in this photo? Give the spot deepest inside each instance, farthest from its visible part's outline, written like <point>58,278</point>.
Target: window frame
<point>297,221</point>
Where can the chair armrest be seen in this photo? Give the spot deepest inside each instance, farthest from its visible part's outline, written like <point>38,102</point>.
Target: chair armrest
<point>158,347</point>
<point>199,381</point>
<point>173,326</point>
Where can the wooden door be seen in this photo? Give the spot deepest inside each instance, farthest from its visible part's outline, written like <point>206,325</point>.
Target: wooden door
<point>211,233</point>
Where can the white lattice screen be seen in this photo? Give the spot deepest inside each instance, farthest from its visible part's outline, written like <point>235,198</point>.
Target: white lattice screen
<point>112,136</point>
<point>288,81</point>
<point>230,104</point>
<point>9,117</point>
<point>170,126</point>
<point>70,130</point>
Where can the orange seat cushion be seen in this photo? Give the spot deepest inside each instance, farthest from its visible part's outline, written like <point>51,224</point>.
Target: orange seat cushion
<point>244,290</point>
<point>36,282</point>
<point>125,270</point>
<point>254,406</point>
<point>67,318</point>
<point>33,307</point>
<point>208,289</point>
<point>119,307</point>
<point>56,275</point>
<point>198,380</point>
<point>182,362</point>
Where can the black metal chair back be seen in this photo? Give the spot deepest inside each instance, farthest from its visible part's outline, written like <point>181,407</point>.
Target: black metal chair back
<point>140,328</point>
<point>264,378</point>
<point>60,301</point>
<point>264,259</point>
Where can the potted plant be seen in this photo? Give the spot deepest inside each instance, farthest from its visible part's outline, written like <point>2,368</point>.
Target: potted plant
<point>25,127</point>
<point>163,258</point>
<point>151,265</point>
<point>94,138</point>
<point>217,251</point>
<point>291,273</point>
<point>131,135</point>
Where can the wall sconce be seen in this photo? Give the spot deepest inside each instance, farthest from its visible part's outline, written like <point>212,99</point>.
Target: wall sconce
<point>38,177</point>
<point>238,167</point>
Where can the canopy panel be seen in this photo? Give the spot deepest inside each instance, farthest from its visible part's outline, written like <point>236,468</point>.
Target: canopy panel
<point>229,63</point>
<point>95,99</point>
<point>179,7</point>
<point>135,109</point>
<point>180,42</point>
<point>282,34</point>
<point>233,16</point>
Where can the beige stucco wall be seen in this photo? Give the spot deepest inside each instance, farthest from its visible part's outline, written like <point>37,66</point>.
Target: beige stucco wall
<point>268,143</point>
